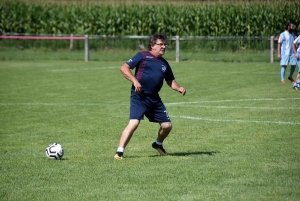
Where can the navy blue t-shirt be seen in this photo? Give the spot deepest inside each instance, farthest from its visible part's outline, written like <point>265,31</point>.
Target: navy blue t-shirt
<point>150,71</point>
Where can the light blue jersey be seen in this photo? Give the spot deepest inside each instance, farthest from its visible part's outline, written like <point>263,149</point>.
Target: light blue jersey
<point>286,40</point>
<point>297,43</point>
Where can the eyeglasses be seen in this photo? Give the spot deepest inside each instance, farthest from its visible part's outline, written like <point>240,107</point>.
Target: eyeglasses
<point>162,44</point>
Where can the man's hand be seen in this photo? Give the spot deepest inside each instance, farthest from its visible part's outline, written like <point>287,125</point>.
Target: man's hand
<point>279,56</point>
<point>182,90</point>
<point>137,87</point>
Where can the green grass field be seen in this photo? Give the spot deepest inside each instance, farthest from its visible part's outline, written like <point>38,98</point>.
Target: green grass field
<point>235,134</point>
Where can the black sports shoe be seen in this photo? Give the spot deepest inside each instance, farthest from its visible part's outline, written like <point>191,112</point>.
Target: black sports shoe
<point>159,148</point>
<point>118,156</point>
<point>292,80</point>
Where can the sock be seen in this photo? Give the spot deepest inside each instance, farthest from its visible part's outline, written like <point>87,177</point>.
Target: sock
<point>157,142</point>
<point>292,71</point>
<point>282,73</point>
<point>120,149</point>
<point>298,81</point>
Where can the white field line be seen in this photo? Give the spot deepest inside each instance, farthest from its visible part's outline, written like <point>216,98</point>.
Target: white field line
<point>176,103</point>
<point>263,73</point>
<point>109,67</point>
<point>184,103</point>
<point>268,73</point>
<point>54,104</point>
<point>199,106</point>
<point>239,121</point>
<point>81,69</point>
<point>240,107</point>
<point>239,100</point>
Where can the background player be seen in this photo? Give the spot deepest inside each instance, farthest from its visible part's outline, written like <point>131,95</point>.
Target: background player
<point>285,51</point>
<point>296,51</point>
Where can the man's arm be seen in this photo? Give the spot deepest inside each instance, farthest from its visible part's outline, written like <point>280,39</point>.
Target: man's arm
<point>279,51</point>
<point>280,40</point>
<point>174,85</point>
<point>295,50</point>
<point>125,69</point>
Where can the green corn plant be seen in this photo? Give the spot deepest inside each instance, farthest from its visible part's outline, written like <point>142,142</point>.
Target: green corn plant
<point>222,19</point>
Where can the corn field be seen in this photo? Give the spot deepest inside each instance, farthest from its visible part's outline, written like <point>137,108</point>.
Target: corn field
<point>218,19</point>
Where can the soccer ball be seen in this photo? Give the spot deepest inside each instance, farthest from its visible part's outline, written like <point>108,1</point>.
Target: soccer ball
<point>296,86</point>
<point>55,151</point>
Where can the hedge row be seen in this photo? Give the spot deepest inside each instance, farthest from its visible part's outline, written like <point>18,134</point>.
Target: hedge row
<point>251,19</point>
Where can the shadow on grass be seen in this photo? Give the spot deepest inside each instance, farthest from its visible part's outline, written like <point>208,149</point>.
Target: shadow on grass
<point>193,153</point>
<point>211,153</point>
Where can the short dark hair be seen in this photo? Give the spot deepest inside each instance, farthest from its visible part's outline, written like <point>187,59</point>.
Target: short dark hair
<point>288,24</point>
<point>153,38</point>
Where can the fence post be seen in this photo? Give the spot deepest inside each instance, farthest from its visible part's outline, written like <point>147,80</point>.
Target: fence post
<point>177,48</point>
<point>71,42</point>
<point>86,48</point>
<point>272,49</point>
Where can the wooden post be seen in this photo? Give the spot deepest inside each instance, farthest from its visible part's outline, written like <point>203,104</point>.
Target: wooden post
<point>177,49</point>
<point>86,48</point>
<point>71,42</point>
<point>272,49</point>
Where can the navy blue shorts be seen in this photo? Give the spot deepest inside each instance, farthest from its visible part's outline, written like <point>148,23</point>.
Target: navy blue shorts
<point>149,105</point>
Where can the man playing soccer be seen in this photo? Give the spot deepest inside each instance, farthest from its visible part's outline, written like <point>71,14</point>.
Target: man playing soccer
<point>297,55</point>
<point>285,51</point>
<point>150,72</point>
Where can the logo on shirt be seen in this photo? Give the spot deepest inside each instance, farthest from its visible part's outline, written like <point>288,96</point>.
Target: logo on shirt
<point>149,57</point>
<point>163,68</point>
<point>129,61</point>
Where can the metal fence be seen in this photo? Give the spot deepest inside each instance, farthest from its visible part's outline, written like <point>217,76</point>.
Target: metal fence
<point>177,40</point>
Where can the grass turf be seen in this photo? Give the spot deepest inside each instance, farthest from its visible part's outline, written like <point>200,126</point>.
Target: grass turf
<point>235,133</point>
<point>121,55</point>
